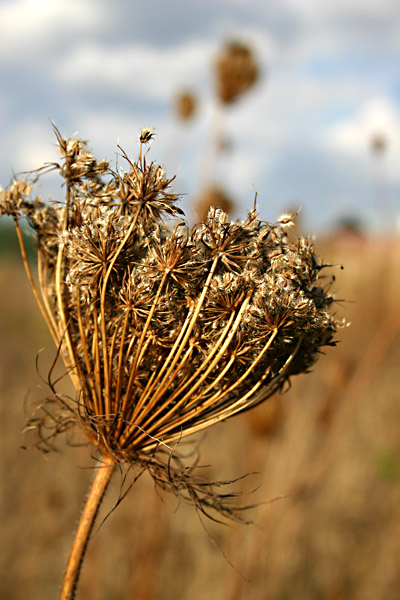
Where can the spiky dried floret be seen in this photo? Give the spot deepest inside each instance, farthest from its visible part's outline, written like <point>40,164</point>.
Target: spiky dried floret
<point>165,331</point>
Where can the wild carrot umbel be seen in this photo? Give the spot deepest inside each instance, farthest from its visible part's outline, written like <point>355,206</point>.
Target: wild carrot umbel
<point>164,331</point>
<point>236,71</point>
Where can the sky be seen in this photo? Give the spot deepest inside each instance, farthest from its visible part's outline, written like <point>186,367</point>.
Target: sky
<point>329,82</point>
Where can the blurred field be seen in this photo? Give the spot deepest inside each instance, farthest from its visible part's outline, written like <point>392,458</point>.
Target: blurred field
<point>331,445</point>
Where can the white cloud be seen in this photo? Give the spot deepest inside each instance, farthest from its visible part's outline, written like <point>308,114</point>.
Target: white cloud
<point>141,70</point>
<point>30,28</point>
<point>28,147</point>
<point>315,11</point>
<point>353,136</point>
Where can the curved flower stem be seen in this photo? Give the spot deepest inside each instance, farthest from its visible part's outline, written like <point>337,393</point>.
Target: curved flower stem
<point>45,313</point>
<point>103,476</point>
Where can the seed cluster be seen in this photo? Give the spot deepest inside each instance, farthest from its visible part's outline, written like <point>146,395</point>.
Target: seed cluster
<point>185,105</point>
<point>165,331</point>
<point>236,71</point>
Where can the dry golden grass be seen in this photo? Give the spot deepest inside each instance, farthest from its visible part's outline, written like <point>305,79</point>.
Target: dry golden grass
<point>331,445</point>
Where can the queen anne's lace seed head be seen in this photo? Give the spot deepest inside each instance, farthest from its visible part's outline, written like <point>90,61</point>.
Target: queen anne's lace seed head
<point>236,71</point>
<point>166,331</point>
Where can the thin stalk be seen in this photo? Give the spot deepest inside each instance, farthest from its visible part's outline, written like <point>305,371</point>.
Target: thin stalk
<point>112,350</point>
<point>118,386</point>
<point>87,381</point>
<point>103,476</point>
<point>103,328</point>
<point>140,347</point>
<point>62,309</point>
<point>43,277</point>
<point>28,271</point>
<point>97,362</point>
<point>123,413</point>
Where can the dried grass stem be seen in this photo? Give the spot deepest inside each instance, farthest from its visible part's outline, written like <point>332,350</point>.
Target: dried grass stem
<point>102,478</point>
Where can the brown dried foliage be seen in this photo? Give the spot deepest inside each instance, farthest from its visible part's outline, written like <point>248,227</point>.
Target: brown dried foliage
<point>236,71</point>
<point>185,104</point>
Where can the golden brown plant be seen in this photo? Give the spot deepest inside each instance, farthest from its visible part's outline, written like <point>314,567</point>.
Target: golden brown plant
<point>236,71</point>
<point>185,104</point>
<point>164,331</point>
<point>378,143</point>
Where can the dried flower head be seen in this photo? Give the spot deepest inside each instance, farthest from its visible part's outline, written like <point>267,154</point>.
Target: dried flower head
<point>378,143</point>
<point>146,135</point>
<point>165,331</point>
<point>287,220</point>
<point>213,196</point>
<point>185,104</point>
<point>236,71</point>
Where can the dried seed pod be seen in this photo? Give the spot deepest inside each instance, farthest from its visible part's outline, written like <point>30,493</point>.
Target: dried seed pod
<point>378,143</point>
<point>185,104</point>
<point>165,331</point>
<point>236,71</point>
